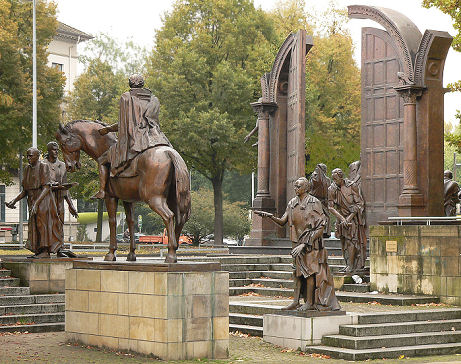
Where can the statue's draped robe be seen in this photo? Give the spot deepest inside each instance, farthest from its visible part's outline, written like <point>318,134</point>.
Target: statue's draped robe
<point>45,230</point>
<point>346,201</point>
<point>58,174</point>
<point>313,259</point>
<point>138,128</point>
<point>451,191</point>
<point>320,190</point>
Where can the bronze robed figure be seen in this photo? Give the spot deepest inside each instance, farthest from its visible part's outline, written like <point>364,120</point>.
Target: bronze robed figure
<point>345,201</point>
<point>451,193</point>
<point>313,280</point>
<point>44,224</point>
<point>144,166</point>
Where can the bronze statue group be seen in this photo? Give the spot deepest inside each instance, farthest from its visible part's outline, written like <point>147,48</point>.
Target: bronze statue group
<point>307,216</point>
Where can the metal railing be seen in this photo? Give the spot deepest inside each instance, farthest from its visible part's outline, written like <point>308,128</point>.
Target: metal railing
<point>400,220</point>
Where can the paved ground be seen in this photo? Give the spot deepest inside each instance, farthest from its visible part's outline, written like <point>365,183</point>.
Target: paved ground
<point>51,348</point>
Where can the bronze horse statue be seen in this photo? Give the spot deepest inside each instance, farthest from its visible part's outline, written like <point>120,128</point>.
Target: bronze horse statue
<point>161,180</point>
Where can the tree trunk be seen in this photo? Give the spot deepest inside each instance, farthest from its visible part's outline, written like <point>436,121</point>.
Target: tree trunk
<point>218,214</point>
<point>99,224</point>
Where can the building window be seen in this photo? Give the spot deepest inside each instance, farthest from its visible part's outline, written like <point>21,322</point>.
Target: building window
<point>2,203</point>
<point>58,66</point>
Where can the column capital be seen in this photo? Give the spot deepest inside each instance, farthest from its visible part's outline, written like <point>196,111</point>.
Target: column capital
<point>409,93</point>
<point>262,107</point>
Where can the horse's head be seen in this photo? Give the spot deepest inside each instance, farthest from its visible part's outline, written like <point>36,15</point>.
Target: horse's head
<point>70,145</point>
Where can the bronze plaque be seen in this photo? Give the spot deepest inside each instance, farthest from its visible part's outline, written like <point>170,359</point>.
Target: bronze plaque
<point>381,127</point>
<point>391,246</point>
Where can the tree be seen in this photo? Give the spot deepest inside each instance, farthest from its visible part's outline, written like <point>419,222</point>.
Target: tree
<point>200,223</point>
<point>205,69</point>
<point>332,84</point>
<point>16,80</point>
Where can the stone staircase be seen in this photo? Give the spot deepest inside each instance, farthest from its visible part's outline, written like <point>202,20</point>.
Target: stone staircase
<point>20,311</point>
<point>271,275</point>
<point>392,334</point>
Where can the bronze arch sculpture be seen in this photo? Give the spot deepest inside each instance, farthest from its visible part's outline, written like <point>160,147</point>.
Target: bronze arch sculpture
<point>161,180</point>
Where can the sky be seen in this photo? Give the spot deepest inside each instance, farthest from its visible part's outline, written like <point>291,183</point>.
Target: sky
<point>138,20</point>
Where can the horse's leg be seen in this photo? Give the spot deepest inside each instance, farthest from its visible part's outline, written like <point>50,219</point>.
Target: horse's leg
<point>111,204</point>
<point>129,219</point>
<point>159,205</point>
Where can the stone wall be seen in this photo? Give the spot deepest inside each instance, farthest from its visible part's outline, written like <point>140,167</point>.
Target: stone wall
<point>171,315</point>
<point>417,260</point>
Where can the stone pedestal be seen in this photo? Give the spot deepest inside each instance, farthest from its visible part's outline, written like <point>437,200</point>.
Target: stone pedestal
<point>172,311</point>
<point>417,260</point>
<point>41,275</point>
<point>296,330</point>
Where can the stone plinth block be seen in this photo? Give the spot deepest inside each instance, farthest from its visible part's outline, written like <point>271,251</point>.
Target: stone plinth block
<point>417,259</point>
<point>296,330</point>
<point>171,311</point>
<point>41,275</point>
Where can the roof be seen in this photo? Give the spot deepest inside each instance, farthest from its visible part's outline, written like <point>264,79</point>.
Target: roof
<point>67,32</point>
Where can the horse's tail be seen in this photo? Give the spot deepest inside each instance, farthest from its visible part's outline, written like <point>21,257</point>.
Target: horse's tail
<point>183,200</point>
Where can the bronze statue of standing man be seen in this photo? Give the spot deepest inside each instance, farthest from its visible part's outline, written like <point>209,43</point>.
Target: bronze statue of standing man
<point>44,225</point>
<point>312,277</point>
<point>346,203</point>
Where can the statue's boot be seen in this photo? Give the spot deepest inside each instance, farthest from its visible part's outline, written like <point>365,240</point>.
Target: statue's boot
<point>43,254</point>
<point>306,307</point>
<point>103,175</point>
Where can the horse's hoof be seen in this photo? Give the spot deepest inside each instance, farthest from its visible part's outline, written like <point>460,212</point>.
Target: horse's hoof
<point>110,257</point>
<point>131,257</point>
<point>171,259</point>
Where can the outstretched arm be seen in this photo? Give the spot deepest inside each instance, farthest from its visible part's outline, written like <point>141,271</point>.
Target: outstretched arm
<point>255,129</point>
<point>72,209</point>
<point>279,221</point>
<point>19,197</point>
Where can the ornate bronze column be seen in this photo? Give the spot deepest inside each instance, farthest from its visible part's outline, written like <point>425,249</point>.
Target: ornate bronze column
<point>263,109</point>
<point>262,228</point>
<point>411,196</point>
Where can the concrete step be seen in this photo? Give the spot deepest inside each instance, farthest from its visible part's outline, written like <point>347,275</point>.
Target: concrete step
<point>31,299</point>
<point>357,297</point>
<point>32,309</point>
<point>264,282</point>
<point>257,267</point>
<point>40,318</point>
<point>9,282</point>
<point>45,327</point>
<point>387,341</point>
<point>247,329</point>
<point>5,273</point>
<point>285,275</point>
<point>382,353</point>
<point>245,319</point>
<point>352,287</point>
<point>241,259</point>
<point>409,316</point>
<point>245,275</point>
<point>390,299</point>
<point>249,308</point>
<point>14,291</point>
<point>263,291</point>
<point>400,328</point>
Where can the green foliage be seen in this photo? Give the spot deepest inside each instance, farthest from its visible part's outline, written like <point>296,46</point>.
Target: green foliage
<point>152,223</point>
<point>200,224</point>
<point>205,69</point>
<point>16,80</point>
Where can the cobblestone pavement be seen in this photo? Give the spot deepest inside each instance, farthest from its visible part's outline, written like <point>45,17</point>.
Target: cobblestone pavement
<point>51,348</point>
